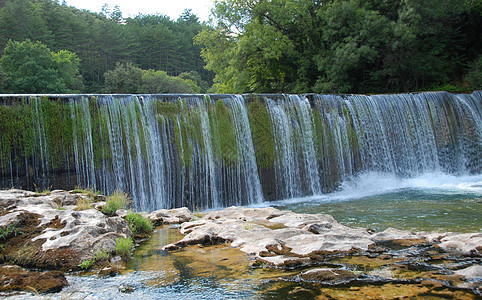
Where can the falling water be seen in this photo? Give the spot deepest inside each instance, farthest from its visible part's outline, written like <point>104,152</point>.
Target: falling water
<point>198,151</point>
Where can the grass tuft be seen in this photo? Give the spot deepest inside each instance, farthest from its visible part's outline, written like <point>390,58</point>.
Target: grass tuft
<point>124,247</point>
<point>139,224</point>
<point>118,200</point>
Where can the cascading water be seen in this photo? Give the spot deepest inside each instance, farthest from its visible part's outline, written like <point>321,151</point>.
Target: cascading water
<point>204,152</point>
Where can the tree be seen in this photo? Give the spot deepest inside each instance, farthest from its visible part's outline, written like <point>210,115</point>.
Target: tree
<point>124,79</point>
<point>340,46</point>
<point>33,68</point>
<point>68,66</point>
<point>354,41</point>
<point>158,82</point>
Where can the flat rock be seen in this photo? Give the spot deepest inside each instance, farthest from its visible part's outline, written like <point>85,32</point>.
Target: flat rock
<point>48,231</point>
<point>15,278</point>
<point>327,275</point>
<point>170,216</point>
<point>463,242</point>
<point>297,238</point>
<point>471,273</point>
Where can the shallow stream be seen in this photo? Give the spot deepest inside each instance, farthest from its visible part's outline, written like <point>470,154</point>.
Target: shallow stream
<point>433,202</point>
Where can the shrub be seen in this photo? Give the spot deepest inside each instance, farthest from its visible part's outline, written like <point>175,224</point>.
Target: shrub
<point>118,200</point>
<point>124,246</point>
<point>139,224</point>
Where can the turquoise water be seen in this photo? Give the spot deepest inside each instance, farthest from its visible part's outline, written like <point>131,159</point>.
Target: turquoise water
<point>432,202</point>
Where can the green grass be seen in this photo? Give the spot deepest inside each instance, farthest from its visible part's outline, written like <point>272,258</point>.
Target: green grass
<point>9,231</point>
<point>124,247</point>
<point>99,256</point>
<point>89,192</point>
<point>139,224</point>
<point>86,264</point>
<point>118,200</point>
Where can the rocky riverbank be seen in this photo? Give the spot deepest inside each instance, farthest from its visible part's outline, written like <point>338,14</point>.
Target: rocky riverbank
<point>49,233</point>
<point>57,231</point>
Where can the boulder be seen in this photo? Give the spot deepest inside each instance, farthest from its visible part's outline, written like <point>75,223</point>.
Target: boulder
<point>170,216</point>
<point>49,233</point>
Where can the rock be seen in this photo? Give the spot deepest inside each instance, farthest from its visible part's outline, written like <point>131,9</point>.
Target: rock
<point>328,275</point>
<point>15,278</point>
<point>108,272</point>
<point>471,273</point>
<point>302,293</point>
<point>170,216</point>
<point>465,242</point>
<point>303,239</point>
<point>126,288</point>
<point>53,237</point>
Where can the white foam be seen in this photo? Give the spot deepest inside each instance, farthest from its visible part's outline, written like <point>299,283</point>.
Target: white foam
<point>372,184</point>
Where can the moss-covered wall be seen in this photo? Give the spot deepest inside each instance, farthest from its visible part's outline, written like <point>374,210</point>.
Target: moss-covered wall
<point>262,134</point>
<point>33,127</point>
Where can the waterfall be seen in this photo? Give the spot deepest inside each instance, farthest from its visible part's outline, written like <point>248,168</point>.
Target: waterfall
<point>207,151</point>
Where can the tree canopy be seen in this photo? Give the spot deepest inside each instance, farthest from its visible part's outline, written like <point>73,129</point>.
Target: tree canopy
<point>30,67</point>
<point>357,46</point>
<point>129,79</point>
<point>102,40</point>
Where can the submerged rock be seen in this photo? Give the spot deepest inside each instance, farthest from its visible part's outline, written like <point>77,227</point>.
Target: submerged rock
<point>327,275</point>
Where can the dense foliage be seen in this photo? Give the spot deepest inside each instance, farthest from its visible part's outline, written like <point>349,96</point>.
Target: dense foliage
<point>349,46</point>
<point>344,45</point>
<point>32,68</point>
<point>98,42</point>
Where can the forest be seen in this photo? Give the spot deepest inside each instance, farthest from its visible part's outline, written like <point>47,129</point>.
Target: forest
<point>261,46</point>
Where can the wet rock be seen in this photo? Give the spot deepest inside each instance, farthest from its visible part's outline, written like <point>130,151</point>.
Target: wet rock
<point>126,288</point>
<point>327,275</point>
<point>302,293</point>
<point>14,278</point>
<point>108,272</point>
<point>471,273</point>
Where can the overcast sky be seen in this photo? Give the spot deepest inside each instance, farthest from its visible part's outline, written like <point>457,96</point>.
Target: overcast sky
<point>130,8</point>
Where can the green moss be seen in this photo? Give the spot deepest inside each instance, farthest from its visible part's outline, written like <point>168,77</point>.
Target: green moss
<point>17,137</point>
<point>351,132</point>
<point>318,134</point>
<point>100,134</point>
<point>262,133</point>
<point>166,108</point>
<point>182,128</point>
<point>225,133</point>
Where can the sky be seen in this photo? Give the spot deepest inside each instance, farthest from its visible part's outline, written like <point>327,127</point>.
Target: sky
<point>131,8</point>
